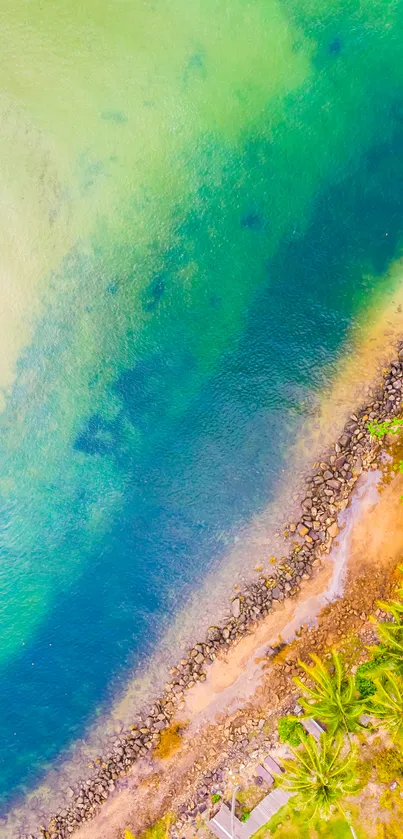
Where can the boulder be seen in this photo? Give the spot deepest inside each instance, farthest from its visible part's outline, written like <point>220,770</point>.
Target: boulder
<point>333,530</point>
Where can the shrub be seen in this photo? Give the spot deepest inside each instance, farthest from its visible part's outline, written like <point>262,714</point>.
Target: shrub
<point>380,429</point>
<point>215,798</point>
<point>388,765</point>
<point>363,681</point>
<point>290,730</point>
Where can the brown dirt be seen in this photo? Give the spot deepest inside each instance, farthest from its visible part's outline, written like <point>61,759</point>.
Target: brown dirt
<point>375,548</point>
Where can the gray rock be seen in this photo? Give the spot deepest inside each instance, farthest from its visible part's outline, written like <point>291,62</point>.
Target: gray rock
<point>214,633</point>
<point>333,483</point>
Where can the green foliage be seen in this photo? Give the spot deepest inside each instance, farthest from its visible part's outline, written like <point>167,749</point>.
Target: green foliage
<point>365,684</point>
<point>380,429</point>
<point>128,834</point>
<point>245,816</point>
<point>387,704</point>
<point>334,698</point>
<point>215,798</point>
<point>391,634</point>
<point>290,730</point>
<point>320,776</point>
<point>159,830</point>
<point>388,765</point>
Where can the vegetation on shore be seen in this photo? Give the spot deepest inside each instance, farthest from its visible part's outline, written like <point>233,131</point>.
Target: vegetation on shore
<point>362,713</point>
<point>323,777</point>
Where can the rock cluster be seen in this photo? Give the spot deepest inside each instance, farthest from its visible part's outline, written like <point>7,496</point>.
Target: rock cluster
<point>327,492</point>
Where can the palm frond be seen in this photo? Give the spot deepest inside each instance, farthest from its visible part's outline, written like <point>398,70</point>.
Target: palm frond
<point>333,698</point>
<point>387,705</point>
<point>320,775</point>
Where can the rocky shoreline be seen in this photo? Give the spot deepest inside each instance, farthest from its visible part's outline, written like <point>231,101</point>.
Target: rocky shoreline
<point>328,490</point>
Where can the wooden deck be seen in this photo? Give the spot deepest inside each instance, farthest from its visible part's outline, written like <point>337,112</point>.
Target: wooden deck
<point>313,727</point>
<point>268,807</point>
<point>265,775</point>
<point>271,804</point>
<point>220,824</point>
<point>264,811</point>
<point>272,766</point>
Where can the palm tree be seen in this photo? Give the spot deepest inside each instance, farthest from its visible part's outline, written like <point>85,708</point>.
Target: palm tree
<point>320,776</point>
<point>334,698</point>
<point>391,633</point>
<point>387,704</point>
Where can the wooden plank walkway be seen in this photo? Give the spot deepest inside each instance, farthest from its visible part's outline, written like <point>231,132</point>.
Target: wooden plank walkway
<point>264,811</point>
<point>220,824</point>
<point>265,775</point>
<point>272,766</point>
<point>268,807</point>
<point>313,727</point>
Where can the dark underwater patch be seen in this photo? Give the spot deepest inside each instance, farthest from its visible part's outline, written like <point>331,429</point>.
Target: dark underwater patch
<point>155,293</point>
<point>140,389</point>
<point>97,437</point>
<point>252,220</point>
<point>335,46</point>
<point>215,301</point>
<point>118,117</point>
<point>195,66</point>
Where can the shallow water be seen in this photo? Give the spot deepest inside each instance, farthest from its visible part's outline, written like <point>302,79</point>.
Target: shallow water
<point>198,201</point>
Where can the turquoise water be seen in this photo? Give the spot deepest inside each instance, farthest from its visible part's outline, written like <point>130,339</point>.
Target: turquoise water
<point>198,202</point>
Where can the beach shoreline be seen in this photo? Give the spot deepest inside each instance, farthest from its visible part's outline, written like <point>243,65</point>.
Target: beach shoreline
<point>329,487</point>
<point>224,748</point>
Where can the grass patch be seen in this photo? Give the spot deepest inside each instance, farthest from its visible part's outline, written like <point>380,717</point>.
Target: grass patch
<point>249,797</point>
<point>170,741</point>
<point>159,830</point>
<point>289,824</point>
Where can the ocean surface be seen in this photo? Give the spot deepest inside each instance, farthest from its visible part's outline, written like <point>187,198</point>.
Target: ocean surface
<point>198,201</point>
